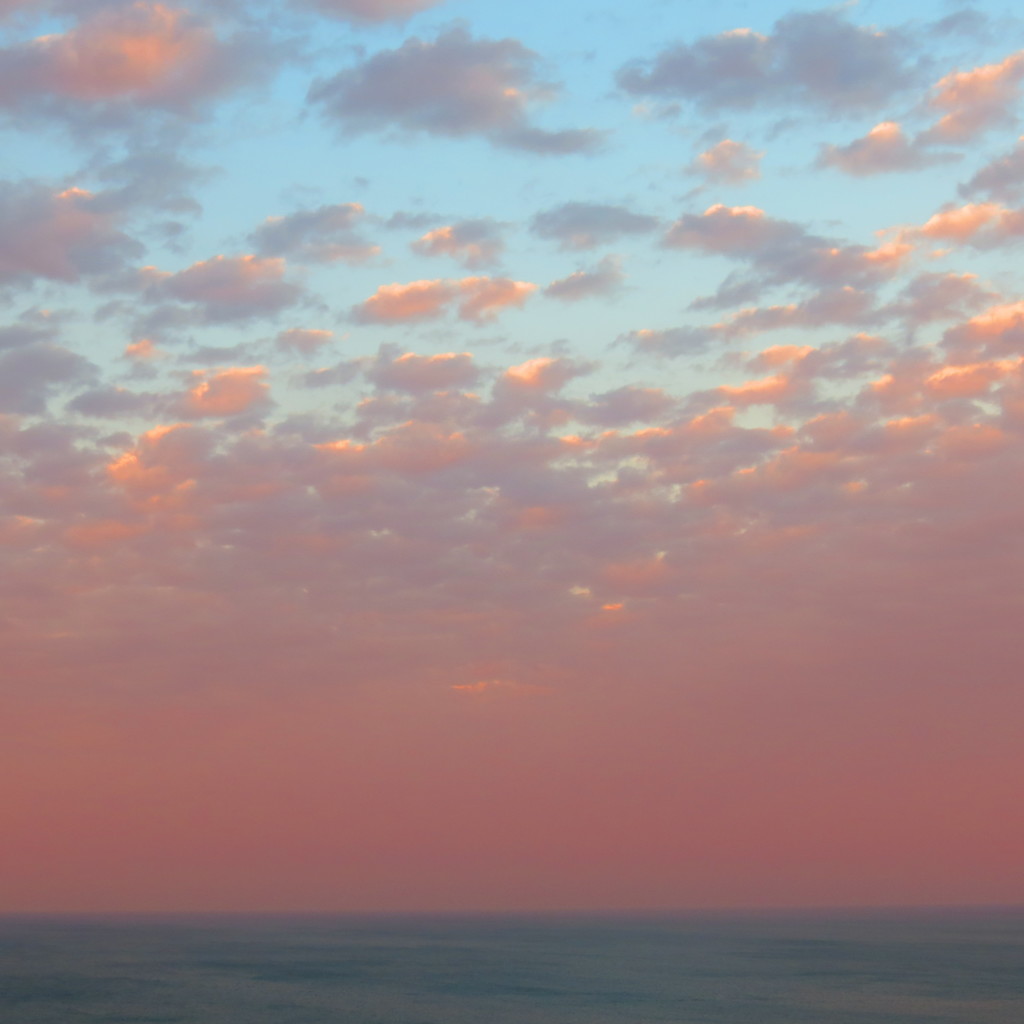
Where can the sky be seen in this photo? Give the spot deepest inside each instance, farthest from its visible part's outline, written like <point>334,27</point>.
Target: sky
<point>457,457</point>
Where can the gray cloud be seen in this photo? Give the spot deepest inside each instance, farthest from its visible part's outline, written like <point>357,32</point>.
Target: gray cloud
<point>371,10</point>
<point>588,225</point>
<point>454,85</point>
<point>1002,179</point>
<point>91,78</point>
<point>59,235</point>
<point>32,374</point>
<point>778,252</point>
<point>605,279</point>
<point>474,243</point>
<point>327,234</point>
<point>671,342</point>
<point>884,150</point>
<point>225,288</point>
<point>815,59</point>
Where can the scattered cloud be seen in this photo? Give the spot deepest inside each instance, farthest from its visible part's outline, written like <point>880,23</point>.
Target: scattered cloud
<point>728,162</point>
<point>327,234</point>
<point>454,85</point>
<point>120,60</point>
<point>973,102</point>
<point>589,225</point>
<point>371,10</point>
<point>817,59</point>
<point>473,243</point>
<point>227,288</point>
<point>58,235</point>
<point>303,339</point>
<point>603,280</point>
<point>227,392</point>
<point>478,299</point>
<point>884,150</point>
<point>1001,180</point>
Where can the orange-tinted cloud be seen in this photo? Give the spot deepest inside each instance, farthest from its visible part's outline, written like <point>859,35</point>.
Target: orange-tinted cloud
<point>474,243</point>
<point>976,100</point>
<point>145,49</point>
<point>59,235</point>
<point>728,161</point>
<point>478,299</point>
<point>884,150</point>
<point>231,287</point>
<point>401,303</point>
<point>227,392</point>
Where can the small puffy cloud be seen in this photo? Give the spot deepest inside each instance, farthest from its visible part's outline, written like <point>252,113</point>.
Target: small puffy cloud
<point>605,279</point>
<point>975,101</point>
<point>413,373</point>
<point>998,329</point>
<point>142,351</point>
<point>231,287</point>
<point>327,234</point>
<point>728,162</point>
<point>543,374</point>
<point>227,392</point>
<point>304,340</point>
<point>779,252</point>
<point>627,405</point>
<point>938,296</point>
<point>150,179</point>
<point>884,150</point>
<point>405,303</point>
<point>588,225</point>
<point>813,59</point>
<point>31,374</point>
<point>371,10</point>
<point>725,229</point>
<point>30,329</point>
<point>670,342</point>
<point>62,236</point>
<point>482,297</point>
<point>110,402</point>
<point>454,85</point>
<point>982,225</point>
<point>478,299</point>
<point>474,243</point>
<point>137,54</point>
<point>1002,179</point>
<point>498,688</point>
<point>844,305</point>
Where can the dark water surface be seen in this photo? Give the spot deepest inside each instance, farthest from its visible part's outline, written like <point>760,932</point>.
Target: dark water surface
<point>939,968</point>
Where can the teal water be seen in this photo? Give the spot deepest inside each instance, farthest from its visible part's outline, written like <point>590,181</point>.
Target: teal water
<point>924,968</point>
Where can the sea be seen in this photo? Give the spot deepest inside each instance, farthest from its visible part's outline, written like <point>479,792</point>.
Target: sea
<point>935,967</point>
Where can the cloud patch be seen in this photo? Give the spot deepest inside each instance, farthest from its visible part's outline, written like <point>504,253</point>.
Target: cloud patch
<point>477,299</point>
<point>454,86</point>
<point>816,59</point>
<point>371,10</point>
<point>728,162</point>
<point>473,243</point>
<point>58,235</point>
<point>575,225</point>
<point>603,280</point>
<point>327,234</point>
<point>122,59</point>
<point>884,150</point>
<point>227,288</point>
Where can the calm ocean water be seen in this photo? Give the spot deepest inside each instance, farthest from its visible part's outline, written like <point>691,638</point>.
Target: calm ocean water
<point>939,968</point>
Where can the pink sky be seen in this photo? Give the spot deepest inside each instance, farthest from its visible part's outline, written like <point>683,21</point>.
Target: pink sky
<point>521,493</point>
